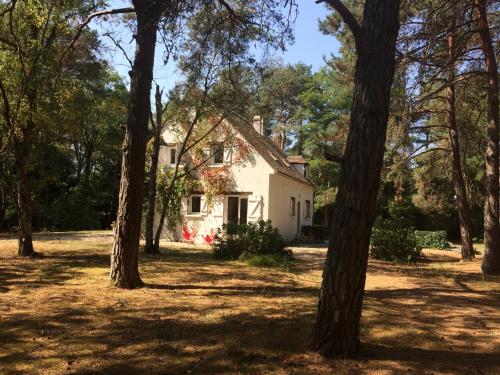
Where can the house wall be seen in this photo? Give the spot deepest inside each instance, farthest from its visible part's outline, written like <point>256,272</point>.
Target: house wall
<point>281,189</point>
<point>251,178</point>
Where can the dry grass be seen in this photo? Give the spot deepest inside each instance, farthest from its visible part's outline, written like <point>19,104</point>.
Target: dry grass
<point>199,315</point>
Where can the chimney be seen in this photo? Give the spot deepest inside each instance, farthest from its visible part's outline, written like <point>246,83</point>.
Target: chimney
<point>277,138</point>
<point>258,124</point>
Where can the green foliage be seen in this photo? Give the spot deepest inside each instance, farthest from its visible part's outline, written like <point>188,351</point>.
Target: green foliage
<point>267,260</point>
<point>170,192</point>
<point>405,211</point>
<point>392,241</point>
<point>319,232</point>
<point>73,211</point>
<point>250,239</point>
<point>277,99</point>
<point>432,239</point>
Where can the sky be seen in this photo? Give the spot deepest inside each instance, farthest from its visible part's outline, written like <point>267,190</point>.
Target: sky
<point>310,46</point>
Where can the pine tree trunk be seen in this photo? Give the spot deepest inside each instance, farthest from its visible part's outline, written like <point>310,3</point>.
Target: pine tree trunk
<point>458,178</point>
<point>336,332</point>
<point>24,204</point>
<point>163,214</point>
<point>124,257</point>
<point>150,247</point>
<point>491,260</point>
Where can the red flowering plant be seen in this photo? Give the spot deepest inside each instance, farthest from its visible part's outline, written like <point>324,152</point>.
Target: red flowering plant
<point>217,179</point>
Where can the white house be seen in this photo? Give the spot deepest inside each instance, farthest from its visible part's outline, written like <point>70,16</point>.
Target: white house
<point>268,186</point>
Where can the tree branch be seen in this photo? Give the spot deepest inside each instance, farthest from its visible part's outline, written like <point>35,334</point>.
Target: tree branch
<point>348,18</point>
<point>119,46</point>
<point>87,21</point>
<point>332,157</point>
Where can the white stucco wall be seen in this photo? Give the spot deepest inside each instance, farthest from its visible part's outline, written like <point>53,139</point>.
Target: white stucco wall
<point>251,179</point>
<point>281,189</point>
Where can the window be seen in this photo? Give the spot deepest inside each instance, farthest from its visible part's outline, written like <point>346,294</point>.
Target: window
<point>173,155</point>
<point>292,206</point>
<point>307,211</point>
<point>218,154</point>
<point>195,204</point>
<point>243,210</point>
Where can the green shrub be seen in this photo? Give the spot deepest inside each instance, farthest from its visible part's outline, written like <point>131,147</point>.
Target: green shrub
<point>227,246</point>
<point>250,239</point>
<point>430,239</point>
<point>391,240</point>
<point>266,260</point>
<point>319,232</point>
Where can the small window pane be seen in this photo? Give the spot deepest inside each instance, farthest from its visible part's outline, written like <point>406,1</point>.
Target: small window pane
<point>173,155</point>
<point>218,152</point>
<point>195,204</point>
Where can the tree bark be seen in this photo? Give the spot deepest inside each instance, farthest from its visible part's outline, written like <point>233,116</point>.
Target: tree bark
<point>24,204</point>
<point>336,333</point>
<point>462,203</point>
<point>150,247</point>
<point>491,260</point>
<point>124,257</point>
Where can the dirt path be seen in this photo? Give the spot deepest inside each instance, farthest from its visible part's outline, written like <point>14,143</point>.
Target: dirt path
<point>197,315</point>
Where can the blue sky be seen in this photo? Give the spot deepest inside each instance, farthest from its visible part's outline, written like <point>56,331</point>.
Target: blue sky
<point>310,45</point>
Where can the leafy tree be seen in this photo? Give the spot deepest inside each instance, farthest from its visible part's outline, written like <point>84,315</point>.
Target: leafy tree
<point>278,102</point>
<point>32,36</point>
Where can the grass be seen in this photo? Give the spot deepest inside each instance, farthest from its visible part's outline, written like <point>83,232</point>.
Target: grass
<point>268,260</point>
<point>197,315</point>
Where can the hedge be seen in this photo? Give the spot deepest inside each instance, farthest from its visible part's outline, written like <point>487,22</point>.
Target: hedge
<point>392,241</point>
<point>432,239</point>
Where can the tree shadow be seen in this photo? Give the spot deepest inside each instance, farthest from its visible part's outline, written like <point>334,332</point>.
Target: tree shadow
<point>198,315</point>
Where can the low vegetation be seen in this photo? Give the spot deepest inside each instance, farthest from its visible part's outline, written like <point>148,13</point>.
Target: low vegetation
<point>393,241</point>
<point>432,239</point>
<point>255,243</point>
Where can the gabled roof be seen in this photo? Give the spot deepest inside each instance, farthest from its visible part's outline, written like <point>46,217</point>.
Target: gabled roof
<point>266,148</point>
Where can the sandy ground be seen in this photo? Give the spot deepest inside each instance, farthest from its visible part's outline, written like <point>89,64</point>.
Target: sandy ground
<point>197,315</point>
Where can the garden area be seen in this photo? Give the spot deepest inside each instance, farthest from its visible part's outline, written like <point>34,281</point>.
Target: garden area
<point>200,315</point>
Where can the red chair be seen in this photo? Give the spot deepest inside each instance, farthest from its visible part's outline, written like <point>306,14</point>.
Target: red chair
<point>209,238</point>
<point>187,235</point>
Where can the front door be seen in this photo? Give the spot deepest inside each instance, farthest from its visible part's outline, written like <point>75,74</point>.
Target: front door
<point>237,212</point>
<point>232,214</point>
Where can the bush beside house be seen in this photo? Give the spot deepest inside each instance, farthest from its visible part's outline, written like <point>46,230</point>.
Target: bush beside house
<point>255,243</point>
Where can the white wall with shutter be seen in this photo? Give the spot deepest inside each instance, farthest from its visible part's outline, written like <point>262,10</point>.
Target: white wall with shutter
<point>217,211</point>
<point>255,208</point>
<point>203,206</point>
